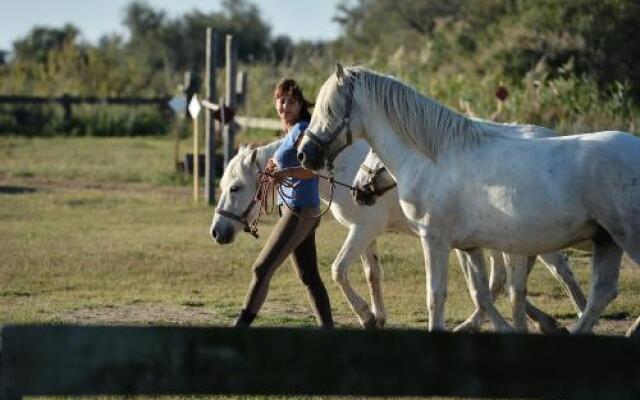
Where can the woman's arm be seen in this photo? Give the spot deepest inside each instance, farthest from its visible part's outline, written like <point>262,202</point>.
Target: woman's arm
<point>293,172</point>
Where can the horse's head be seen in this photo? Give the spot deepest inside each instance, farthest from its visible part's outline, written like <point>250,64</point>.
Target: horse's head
<point>372,180</point>
<point>335,121</point>
<point>237,208</point>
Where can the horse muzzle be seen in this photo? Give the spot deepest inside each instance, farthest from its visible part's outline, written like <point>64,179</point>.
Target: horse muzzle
<point>310,155</point>
<point>364,197</point>
<point>222,234</point>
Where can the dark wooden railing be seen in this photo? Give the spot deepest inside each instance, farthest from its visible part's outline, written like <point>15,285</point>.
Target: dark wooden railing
<point>75,360</point>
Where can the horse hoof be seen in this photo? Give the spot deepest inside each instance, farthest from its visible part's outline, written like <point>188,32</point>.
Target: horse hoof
<point>370,323</point>
<point>468,327</point>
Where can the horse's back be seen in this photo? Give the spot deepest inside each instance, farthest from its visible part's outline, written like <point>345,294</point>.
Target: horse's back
<point>562,186</point>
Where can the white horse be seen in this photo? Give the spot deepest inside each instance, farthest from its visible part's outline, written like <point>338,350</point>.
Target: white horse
<point>376,182</point>
<point>237,210</point>
<point>465,184</point>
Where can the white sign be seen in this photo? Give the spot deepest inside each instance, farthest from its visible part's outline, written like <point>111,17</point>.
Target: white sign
<point>178,104</point>
<point>194,107</point>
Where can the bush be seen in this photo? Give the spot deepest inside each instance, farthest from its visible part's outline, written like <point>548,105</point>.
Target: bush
<point>86,120</point>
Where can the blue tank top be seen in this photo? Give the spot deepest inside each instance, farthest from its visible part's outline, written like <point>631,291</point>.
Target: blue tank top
<point>305,192</point>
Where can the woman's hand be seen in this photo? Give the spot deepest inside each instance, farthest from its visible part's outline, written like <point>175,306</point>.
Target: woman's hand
<point>272,169</point>
<point>271,166</point>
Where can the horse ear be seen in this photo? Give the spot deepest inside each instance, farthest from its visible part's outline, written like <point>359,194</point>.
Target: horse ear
<point>252,156</point>
<point>339,71</point>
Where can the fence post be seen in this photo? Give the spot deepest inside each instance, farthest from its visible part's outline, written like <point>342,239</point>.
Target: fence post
<point>210,129</point>
<point>222,116</point>
<point>65,100</point>
<point>241,89</point>
<point>230,96</point>
<point>196,148</point>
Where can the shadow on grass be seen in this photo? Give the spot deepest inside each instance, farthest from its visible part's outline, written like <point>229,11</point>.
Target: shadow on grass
<point>16,189</point>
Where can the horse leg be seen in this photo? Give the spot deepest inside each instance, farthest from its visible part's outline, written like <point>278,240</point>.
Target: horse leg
<point>545,322</point>
<point>557,264</point>
<point>634,331</point>
<point>436,257</point>
<point>518,268</point>
<point>480,290</point>
<point>373,273</point>
<point>475,320</point>
<point>352,246</point>
<point>498,273</point>
<point>605,266</point>
<point>630,244</point>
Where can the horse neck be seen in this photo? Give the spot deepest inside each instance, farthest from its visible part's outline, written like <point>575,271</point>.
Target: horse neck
<point>419,120</point>
<point>399,156</point>
<point>346,166</point>
<point>264,153</point>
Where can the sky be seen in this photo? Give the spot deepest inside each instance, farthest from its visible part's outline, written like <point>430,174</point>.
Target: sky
<point>299,19</point>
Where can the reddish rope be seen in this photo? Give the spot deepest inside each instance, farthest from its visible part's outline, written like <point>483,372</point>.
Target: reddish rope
<point>268,185</point>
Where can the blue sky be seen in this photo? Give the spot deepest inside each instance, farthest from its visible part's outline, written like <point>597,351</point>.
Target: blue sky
<point>299,19</point>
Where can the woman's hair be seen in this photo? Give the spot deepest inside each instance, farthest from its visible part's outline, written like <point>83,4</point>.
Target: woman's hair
<point>289,87</point>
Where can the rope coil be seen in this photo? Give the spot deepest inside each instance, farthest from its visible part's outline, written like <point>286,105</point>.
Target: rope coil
<point>269,184</point>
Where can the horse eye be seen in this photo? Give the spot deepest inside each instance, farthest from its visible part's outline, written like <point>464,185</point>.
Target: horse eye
<point>234,189</point>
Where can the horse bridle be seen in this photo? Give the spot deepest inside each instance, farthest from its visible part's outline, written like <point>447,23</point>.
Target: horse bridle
<point>346,123</point>
<point>372,173</point>
<point>242,218</point>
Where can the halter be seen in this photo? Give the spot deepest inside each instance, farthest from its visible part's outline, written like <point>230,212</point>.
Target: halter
<point>249,228</point>
<point>372,173</point>
<point>346,123</point>
<point>266,185</point>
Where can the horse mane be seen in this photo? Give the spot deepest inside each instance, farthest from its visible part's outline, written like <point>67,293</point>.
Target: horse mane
<point>429,126</point>
<point>239,162</point>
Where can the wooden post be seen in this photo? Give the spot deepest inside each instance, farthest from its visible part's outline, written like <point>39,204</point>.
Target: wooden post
<point>66,105</point>
<point>176,124</point>
<point>196,178</point>
<point>176,143</point>
<point>241,89</point>
<point>228,136</point>
<point>222,119</point>
<point>210,128</point>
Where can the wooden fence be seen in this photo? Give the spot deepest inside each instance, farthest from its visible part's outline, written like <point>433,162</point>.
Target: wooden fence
<point>68,101</point>
<point>72,360</point>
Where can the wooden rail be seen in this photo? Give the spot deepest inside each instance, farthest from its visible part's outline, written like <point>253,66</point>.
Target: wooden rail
<point>271,124</point>
<point>67,101</point>
<point>72,360</point>
<point>160,101</point>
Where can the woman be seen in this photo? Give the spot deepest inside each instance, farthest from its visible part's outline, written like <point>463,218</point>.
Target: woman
<point>294,233</point>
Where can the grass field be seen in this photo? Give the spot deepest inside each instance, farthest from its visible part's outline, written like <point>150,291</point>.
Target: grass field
<point>102,231</point>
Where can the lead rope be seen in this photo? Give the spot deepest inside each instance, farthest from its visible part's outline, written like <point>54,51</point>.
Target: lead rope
<point>266,196</point>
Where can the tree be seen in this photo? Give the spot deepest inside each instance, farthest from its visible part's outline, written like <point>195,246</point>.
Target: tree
<point>40,41</point>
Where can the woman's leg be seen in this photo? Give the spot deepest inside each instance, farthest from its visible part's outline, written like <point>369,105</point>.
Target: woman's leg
<point>281,242</point>
<point>305,261</point>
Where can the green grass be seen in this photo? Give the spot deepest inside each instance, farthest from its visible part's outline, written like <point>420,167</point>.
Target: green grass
<point>100,237</point>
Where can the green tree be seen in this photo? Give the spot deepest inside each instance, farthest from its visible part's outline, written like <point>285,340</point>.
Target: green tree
<point>40,41</point>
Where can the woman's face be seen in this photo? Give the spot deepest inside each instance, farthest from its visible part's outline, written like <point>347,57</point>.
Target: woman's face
<point>288,109</point>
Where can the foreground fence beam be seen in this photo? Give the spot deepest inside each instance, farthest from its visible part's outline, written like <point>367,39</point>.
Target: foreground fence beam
<point>68,360</point>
